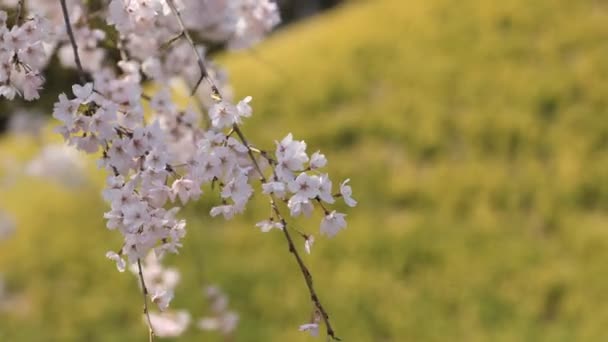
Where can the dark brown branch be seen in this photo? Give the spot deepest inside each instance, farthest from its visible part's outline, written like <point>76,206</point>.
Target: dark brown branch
<point>144,291</point>
<point>201,64</point>
<point>238,131</point>
<point>305,272</point>
<point>68,27</point>
<point>292,248</point>
<point>171,41</point>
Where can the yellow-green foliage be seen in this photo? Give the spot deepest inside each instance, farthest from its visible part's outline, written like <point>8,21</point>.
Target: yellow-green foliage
<point>475,134</point>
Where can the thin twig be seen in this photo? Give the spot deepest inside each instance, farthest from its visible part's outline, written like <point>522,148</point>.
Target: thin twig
<point>322,206</point>
<point>68,26</point>
<point>199,58</point>
<point>238,131</point>
<point>168,43</point>
<point>292,248</point>
<point>264,154</point>
<point>144,291</point>
<point>305,272</point>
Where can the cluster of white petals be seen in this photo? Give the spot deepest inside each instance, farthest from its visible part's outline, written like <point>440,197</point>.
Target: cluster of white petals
<point>313,326</point>
<point>297,179</point>
<point>170,324</point>
<point>240,23</point>
<point>136,156</point>
<point>24,52</point>
<point>157,154</point>
<point>150,33</point>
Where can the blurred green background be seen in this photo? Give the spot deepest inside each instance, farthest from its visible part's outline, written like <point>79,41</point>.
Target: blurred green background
<point>475,134</point>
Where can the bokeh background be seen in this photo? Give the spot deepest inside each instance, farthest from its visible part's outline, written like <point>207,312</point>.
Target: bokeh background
<point>475,134</point>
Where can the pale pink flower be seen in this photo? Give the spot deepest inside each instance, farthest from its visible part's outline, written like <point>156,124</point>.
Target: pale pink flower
<point>120,263</point>
<point>332,223</point>
<point>346,192</point>
<point>311,328</point>
<point>267,225</point>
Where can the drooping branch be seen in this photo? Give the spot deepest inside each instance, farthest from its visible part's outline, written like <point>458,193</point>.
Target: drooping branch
<point>144,291</point>
<point>201,63</point>
<point>236,129</point>
<point>68,27</point>
<point>292,248</point>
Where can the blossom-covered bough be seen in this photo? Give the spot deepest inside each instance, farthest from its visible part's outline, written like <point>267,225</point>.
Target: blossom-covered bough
<point>158,155</point>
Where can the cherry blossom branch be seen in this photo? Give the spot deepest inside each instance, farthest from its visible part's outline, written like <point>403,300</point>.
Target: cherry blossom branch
<point>305,272</point>
<point>199,58</point>
<point>138,148</point>
<point>68,27</point>
<point>238,132</point>
<point>138,154</point>
<point>144,291</point>
<point>168,43</point>
<point>292,248</point>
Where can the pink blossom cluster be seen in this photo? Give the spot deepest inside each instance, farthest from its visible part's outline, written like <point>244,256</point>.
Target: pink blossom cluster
<point>23,55</point>
<point>158,155</point>
<point>150,178</point>
<point>239,23</point>
<point>147,32</point>
<point>135,154</point>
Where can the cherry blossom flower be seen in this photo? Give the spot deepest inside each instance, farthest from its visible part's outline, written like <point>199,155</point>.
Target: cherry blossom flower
<point>305,186</point>
<point>82,93</point>
<point>223,114</point>
<point>22,57</point>
<point>291,155</point>
<point>30,86</point>
<point>267,225</point>
<point>185,189</point>
<point>312,328</point>
<point>170,324</point>
<point>162,298</point>
<point>300,205</point>
<point>243,107</point>
<point>276,188</point>
<point>120,263</point>
<point>325,189</point>
<point>317,160</point>
<point>228,210</point>
<point>332,223</point>
<point>238,189</point>
<point>346,192</point>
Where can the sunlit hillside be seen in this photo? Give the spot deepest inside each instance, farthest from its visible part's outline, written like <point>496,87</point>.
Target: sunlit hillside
<point>475,134</point>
